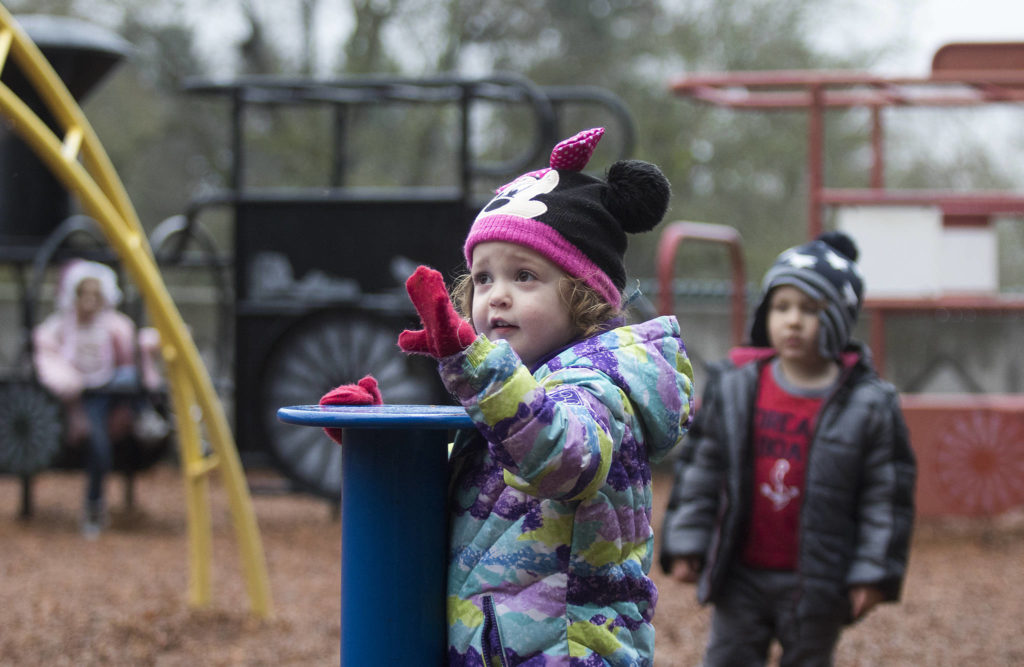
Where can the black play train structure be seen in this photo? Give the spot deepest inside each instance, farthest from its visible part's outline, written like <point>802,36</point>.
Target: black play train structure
<point>310,285</point>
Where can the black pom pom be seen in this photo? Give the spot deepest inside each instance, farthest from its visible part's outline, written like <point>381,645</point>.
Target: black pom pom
<point>637,195</point>
<point>841,243</point>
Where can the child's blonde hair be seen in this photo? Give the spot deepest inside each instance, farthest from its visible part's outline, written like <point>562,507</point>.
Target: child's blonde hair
<point>588,311</point>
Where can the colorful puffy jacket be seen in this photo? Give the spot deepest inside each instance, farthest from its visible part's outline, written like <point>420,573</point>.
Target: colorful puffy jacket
<point>550,497</point>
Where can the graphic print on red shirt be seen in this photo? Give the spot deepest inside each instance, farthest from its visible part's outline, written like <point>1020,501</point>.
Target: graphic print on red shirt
<point>780,437</point>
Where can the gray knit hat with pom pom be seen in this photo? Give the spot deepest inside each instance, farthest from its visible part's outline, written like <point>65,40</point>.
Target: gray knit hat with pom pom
<point>577,221</point>
<point>826,270</point>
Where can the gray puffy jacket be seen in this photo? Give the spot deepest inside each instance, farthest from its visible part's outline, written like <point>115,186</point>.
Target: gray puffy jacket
<point>858,508</point>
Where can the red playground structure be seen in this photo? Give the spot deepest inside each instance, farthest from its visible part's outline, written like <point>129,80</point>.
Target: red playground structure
<point>970,446</point>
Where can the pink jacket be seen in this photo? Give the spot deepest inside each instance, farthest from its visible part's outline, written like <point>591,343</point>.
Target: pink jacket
<point>113,333</point>
<point>54,341</point>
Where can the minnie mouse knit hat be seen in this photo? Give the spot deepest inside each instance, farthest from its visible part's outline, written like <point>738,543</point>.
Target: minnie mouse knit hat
<point>826,270</point>
<point>577,221</point>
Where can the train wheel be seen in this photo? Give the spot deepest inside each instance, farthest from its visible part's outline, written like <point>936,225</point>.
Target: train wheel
<point>30,428</point>
<point>316,355</point>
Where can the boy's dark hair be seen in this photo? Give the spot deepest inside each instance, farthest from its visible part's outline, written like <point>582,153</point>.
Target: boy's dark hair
<point>588,310</point>
<point>826,270</point>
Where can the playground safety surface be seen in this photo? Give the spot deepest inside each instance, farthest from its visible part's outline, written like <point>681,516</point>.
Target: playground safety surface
<point>120,600</point>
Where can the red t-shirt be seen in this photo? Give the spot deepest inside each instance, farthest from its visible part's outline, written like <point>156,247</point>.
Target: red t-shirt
<point>780,437</point>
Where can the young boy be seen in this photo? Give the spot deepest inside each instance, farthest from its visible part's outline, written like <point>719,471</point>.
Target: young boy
<point>792,507</point>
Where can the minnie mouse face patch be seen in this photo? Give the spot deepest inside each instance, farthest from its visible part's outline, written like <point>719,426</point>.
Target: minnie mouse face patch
<point>517,198</point>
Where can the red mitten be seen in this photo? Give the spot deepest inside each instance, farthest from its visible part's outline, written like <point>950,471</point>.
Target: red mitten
<point>444,333</point>
<point>364,392</point>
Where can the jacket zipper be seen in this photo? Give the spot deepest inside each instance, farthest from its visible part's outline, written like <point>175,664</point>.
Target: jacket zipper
<point>826,403</point>
<point>491,624</point>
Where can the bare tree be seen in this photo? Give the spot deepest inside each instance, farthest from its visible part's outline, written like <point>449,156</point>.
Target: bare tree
<point>307,11</point>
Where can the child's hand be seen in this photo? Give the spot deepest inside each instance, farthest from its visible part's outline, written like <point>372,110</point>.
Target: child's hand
<point>863,599</point>
<point>444,333</point>
<point>364,392</point>
<point>686,569</point>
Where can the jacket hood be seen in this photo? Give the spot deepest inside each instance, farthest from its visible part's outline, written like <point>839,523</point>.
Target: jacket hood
<point>78,270</point>
<point>648,362</point>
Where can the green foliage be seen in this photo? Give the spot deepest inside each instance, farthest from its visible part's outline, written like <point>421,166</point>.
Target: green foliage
<point>745,169</point>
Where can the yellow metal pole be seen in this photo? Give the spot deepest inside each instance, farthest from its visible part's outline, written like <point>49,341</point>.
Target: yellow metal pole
<point>197,505</point>
<point>193,395</point>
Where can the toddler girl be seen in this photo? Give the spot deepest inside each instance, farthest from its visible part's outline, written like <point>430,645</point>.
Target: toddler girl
<point>550,495</point>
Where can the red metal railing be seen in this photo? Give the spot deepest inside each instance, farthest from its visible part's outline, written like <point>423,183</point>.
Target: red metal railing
<point>668,244</point>
<point>963,74</point>
<point>970,447</point>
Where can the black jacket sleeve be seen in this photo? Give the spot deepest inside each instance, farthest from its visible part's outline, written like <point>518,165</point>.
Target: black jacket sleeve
<point>886,509</point>
<point>697,488</point>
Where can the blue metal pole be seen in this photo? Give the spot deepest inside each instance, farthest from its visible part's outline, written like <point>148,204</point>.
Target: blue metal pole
<point>393,547</point>
<point>394,528</point>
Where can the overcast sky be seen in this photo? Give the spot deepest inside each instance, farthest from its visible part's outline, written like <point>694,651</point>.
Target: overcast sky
<point>925,25</point>
<point>922,25</point>
<point>938,22</point>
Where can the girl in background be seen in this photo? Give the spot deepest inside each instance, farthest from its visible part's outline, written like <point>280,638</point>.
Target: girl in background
<point>85,353</point>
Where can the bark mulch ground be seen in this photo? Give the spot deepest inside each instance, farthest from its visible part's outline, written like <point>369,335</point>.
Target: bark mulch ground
<point>121,599</point>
